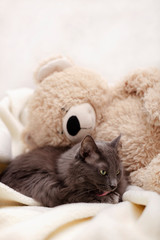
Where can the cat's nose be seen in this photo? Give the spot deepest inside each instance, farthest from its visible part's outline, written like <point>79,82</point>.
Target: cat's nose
<point>113,184</point>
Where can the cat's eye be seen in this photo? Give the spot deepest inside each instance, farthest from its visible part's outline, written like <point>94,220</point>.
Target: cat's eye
<point>103,172</point>
<point>118,172</point>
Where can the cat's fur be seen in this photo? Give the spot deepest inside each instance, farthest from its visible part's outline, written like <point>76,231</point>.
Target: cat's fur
<point>55,176</point>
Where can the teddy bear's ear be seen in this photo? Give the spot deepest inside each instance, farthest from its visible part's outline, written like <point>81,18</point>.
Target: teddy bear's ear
<point>52,65</point>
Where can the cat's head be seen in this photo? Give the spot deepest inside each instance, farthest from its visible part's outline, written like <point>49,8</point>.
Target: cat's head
<point>97,165</point>
<point>102,166</point>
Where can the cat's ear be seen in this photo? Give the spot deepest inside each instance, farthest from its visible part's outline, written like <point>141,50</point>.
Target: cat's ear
<point>116,142</point>
<point>88,149</point>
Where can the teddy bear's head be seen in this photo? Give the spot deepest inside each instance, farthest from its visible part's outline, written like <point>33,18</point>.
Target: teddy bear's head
<point>67,104</point>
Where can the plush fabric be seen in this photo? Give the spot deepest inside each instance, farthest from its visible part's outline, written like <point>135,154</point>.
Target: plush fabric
<point>13,115</point>
<point>130,108</point>
<point>138,217</point>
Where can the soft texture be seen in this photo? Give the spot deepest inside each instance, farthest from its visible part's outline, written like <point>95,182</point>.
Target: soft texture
<point>138,217</point>
<point>102,35</point>
<point>54,97</point>
<point>130,108</point>
<point>13,115</point>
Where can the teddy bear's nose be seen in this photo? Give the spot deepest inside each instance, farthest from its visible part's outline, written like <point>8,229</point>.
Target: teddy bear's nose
<point>73,125</point>
<point>79,121</point>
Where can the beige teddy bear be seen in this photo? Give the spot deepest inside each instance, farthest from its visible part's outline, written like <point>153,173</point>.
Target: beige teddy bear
<point>71,102</point>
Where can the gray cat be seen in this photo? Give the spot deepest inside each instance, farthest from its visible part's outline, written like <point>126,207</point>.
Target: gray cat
<point>88,172</point>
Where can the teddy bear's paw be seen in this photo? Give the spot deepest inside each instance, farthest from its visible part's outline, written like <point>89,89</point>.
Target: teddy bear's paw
<point>148,177</point>
<point>138,82</point>
<point>136,178</point>
<point>151,103</point>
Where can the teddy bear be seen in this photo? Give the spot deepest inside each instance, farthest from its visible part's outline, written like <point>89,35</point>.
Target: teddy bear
<point>71,102</point>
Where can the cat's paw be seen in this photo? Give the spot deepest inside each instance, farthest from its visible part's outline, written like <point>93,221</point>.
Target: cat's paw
<point>114,198</point>
<point>111,198</point>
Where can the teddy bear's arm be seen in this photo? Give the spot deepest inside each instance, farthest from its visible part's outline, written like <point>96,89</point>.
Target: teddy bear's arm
<point>149,176</point>
<point>146,85</point>
<point>151,103</point>
<point>140,81</point>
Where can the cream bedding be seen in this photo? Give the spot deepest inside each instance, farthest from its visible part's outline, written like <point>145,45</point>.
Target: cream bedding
<point>22,218</point>
<point>138,217</point>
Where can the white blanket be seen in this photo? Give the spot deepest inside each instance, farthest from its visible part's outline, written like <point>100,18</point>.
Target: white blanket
<point>137,218</point>
<point>22,218</point>
<point>13,115</point>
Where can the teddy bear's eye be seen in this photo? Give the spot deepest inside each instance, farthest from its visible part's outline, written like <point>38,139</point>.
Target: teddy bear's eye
<point>64,110</point>
<point>60,132</point>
